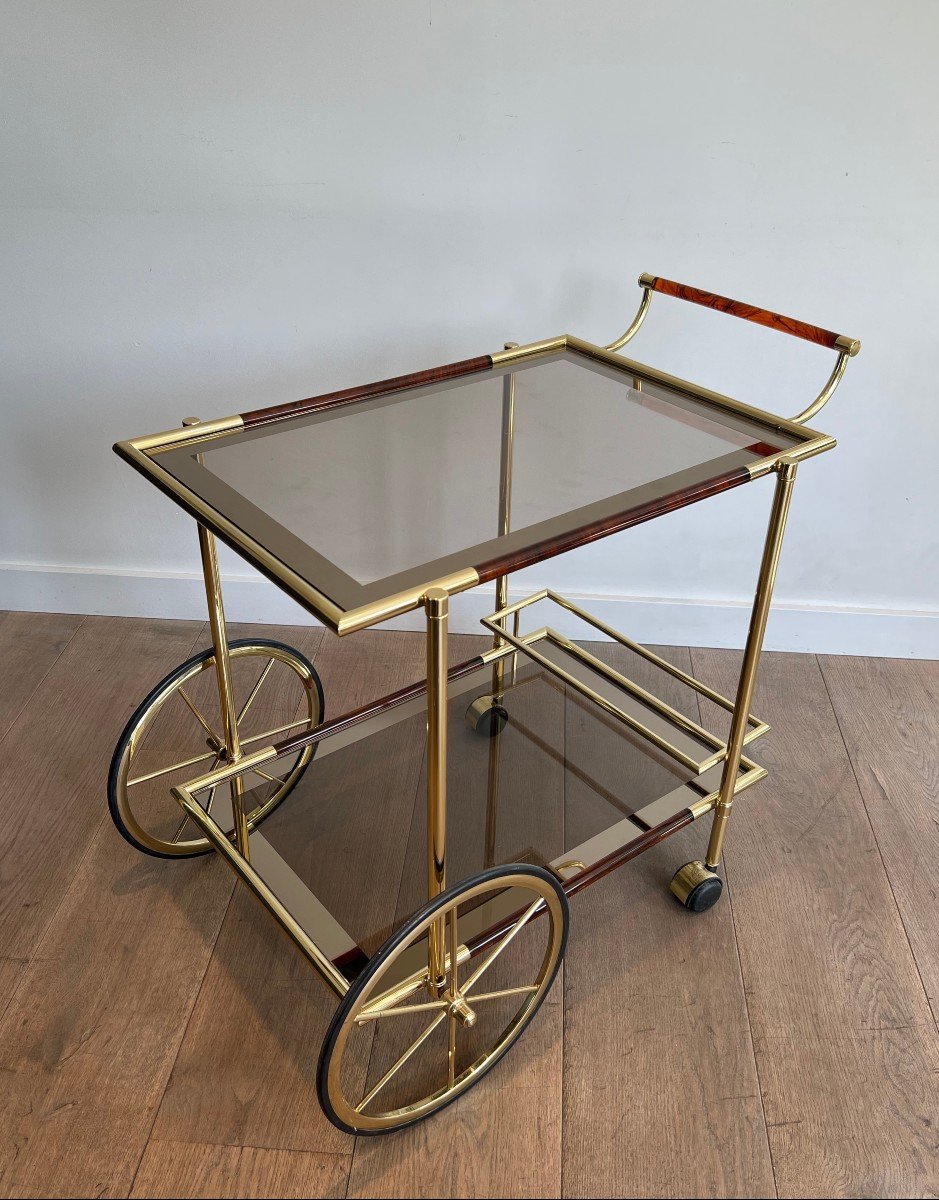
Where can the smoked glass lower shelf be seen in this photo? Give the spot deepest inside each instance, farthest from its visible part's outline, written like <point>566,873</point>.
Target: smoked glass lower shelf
<point>564,785</point>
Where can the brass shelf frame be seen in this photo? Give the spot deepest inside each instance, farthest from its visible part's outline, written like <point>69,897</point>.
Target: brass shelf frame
<point>318,935</point>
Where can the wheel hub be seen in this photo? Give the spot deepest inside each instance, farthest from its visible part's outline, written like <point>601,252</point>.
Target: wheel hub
<point>458,1008</point>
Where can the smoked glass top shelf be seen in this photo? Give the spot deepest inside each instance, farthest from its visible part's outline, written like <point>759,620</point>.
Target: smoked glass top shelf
<point>357,501</point>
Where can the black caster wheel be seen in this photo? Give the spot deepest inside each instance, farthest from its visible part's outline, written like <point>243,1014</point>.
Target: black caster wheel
<point>486,717</point>
<point>696,887</point>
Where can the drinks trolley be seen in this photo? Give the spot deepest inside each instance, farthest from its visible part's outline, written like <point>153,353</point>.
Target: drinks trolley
<point>379,500</point>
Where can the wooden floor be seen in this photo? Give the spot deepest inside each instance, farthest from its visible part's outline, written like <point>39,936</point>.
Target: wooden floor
<point>157,1040</point>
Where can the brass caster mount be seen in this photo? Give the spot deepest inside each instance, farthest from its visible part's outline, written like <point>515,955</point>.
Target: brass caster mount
<point>696,887</point>
<point>486,717</point>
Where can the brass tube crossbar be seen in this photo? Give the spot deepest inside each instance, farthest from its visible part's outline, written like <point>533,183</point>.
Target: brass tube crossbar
<point>258,887</point>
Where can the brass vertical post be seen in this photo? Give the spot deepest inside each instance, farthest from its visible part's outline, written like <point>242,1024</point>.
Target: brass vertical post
<point>505,471</point>
<point>785,478</point>
<point>436,603</point>
<point>226,693</point>
<point>502,599</point>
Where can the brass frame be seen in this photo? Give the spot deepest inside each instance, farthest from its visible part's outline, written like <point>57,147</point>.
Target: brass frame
<point>454,574</point>
<point>717,777</point>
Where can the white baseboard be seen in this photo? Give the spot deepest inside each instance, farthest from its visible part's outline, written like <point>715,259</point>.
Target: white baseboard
<point>807,628</point>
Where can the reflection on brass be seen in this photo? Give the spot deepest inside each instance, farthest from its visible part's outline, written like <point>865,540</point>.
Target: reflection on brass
<point>191,432</point>
<point>569,864</point>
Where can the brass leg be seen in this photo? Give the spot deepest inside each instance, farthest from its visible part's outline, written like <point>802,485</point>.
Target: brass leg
<point>436,603</point>
<point>786,474</point>
<point>505,472</point>
<point>502,600</point>
<point>226,693</point>
<point>492,801</point>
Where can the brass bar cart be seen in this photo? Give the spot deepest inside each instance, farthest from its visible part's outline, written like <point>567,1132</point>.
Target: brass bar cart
<point>481,798</point>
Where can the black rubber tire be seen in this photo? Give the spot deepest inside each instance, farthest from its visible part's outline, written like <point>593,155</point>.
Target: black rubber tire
<point>376,961</point>
<point>705,895</point>
<point>151,698</point>
<point>490,722</point>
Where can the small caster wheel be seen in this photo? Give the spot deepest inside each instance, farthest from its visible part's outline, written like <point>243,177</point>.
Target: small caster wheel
<point>696,887</point>
<point>486,717</point>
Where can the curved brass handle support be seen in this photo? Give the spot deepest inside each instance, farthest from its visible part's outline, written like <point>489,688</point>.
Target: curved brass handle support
<point>846,347</point>
<point>645,282</point>
<point>827,391</point>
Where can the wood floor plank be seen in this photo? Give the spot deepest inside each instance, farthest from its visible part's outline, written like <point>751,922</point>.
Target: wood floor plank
<point>56,757</point>
<point>29,645</point>
<point>845,1044</point>
<point>192,1170</point>
<point>90,1038</point>
<point>888,711</point>
<point>246,1072</point>
<point>660,1088</point>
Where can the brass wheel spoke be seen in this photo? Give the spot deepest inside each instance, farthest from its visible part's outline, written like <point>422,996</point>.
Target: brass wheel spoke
<point>178,766</point>
<point>516,991</point>
<point>456,1041</point>
<point>268,734</point>
<point>179,832</point>
<point>199,717</point>
<point>401,1010</point>
<point>503,943</point>
<point>393,1070</point>
<point>254,691</point>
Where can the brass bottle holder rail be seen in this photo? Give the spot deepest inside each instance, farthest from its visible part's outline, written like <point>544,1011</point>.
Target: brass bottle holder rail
<point>496,623</point>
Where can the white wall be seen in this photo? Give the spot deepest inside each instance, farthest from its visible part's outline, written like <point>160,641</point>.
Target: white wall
<point>210,207</point>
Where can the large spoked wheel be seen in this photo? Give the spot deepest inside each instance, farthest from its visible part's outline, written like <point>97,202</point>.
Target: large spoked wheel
<point>175,735</point>
<point>399,1049</point>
